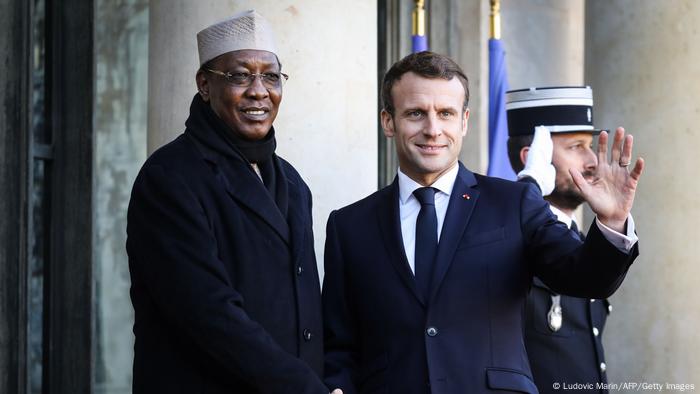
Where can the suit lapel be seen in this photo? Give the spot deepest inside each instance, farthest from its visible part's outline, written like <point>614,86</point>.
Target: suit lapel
<point>390,223</point>
<point>251,192</point>
<point>462,202</point>
<point>238,179</point>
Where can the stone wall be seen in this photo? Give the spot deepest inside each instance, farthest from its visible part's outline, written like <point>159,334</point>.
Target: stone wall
<point>121,72</point>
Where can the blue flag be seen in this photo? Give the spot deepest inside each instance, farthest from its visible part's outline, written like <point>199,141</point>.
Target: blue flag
<point>419,43</point>
<point>499,166</point>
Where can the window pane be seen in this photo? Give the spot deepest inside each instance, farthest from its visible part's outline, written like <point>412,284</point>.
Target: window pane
<point>36,275</point>
<point>40,132</point>
<point>39,213</point>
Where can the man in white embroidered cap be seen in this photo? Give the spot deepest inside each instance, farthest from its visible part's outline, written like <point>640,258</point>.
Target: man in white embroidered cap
<point>551,133</point>
<point>224,279</point>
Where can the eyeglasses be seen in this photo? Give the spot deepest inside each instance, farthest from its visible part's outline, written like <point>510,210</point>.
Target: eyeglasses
<point>269,80</point>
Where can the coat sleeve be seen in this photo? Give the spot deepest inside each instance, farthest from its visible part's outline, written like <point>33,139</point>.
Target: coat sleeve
<point>591,269</point>
<point>173,252</point>
<point>340,337</point>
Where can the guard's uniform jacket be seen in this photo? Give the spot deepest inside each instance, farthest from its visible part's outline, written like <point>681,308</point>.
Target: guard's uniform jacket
<point>571,350</point>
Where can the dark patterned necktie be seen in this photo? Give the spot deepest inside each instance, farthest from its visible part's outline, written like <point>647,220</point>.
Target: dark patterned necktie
<point>574,228</point>
<point>426,239</point>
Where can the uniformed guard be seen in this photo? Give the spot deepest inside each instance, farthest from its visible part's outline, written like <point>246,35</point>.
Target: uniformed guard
<point>563,334</point>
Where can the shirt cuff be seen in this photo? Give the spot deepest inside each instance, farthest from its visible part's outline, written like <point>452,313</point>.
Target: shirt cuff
<point>623,242</point>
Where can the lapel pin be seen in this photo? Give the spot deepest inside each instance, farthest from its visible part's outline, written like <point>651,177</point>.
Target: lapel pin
<point>465,196</point>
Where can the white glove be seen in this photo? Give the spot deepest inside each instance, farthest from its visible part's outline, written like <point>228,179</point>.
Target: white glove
<point>539,161</point>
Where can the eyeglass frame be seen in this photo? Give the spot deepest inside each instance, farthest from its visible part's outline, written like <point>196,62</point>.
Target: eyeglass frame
<point>253,77</point>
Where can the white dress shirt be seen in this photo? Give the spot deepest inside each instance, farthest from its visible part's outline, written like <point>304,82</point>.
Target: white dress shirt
<point>409,207</point>
<point>623,242</point>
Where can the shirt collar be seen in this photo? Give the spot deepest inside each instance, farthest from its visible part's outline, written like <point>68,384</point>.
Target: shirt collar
<point>444,183</point>
<point>562,217</point>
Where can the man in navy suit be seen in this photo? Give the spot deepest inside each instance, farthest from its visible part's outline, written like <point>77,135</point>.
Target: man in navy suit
<point>426,280</point>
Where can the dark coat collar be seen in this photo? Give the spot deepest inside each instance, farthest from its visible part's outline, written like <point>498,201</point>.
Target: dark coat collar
<point>239,179</point>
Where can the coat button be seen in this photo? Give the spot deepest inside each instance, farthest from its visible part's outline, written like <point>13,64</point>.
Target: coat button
<point>603,367</point>
<point>307,335</point>
<point>595,331</point>
<point>609,308</point>
<point>300,269</point>
<point>592,300</point>
<point>431,331</point>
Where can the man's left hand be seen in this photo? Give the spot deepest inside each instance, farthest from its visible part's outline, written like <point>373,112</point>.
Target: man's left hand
<point>611,193</point>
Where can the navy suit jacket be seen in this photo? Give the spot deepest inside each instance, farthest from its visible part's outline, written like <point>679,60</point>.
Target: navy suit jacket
<point>381,337</point>
<point>225,288</point>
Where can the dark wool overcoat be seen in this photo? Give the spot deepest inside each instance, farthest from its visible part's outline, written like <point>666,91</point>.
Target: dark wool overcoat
<point>225,288</point>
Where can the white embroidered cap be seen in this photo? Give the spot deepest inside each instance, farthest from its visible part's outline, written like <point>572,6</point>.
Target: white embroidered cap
<point>245,30</point>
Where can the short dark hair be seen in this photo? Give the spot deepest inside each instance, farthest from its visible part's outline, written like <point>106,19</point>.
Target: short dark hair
<point>515,144</point>
<point>426,64</point>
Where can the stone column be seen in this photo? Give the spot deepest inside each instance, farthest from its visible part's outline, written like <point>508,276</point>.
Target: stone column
<point>119,121</point>
<point>544,42</point>
<point>643,60</point>
<point>327,123</point>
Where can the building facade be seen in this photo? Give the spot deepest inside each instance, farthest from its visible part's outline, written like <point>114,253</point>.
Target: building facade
<point>89,88</point>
